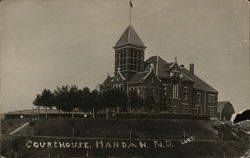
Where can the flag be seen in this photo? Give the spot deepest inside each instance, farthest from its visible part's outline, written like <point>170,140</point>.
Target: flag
<point>131,4</point>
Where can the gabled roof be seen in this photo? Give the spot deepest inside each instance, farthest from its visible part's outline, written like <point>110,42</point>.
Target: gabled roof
<point>161,67</point>
<point>221,106</point>
<point>138,77</point>
<point>159,64</point>
<point>198,82</point>
<point>129,37</point>
<point>108,80</point>
<point>168,65</point>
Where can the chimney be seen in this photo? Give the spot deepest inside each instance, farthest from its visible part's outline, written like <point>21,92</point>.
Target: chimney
<point>191,68</point>
<point>182,66</point>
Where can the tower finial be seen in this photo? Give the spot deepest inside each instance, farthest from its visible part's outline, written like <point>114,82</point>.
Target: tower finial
<point>151,67</point>
<point>175,59</point>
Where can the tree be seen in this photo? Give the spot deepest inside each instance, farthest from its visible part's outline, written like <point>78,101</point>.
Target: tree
<point>38,102</point>
<point>85,100</point>
<point>94,101</point>
<point>122,101</point>
<point>149,102</point>
<point>62,99</point>
<point>74,95</point>
<point>108,100</point>
<point>135,100</point>
<point>47,99</point>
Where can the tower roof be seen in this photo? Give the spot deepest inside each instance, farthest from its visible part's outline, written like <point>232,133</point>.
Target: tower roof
<point>129,37</point>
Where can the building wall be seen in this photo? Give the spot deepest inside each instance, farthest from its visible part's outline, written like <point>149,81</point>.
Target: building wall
<point>197,101</point>
<point>130,60</point>
<point>226,112</point>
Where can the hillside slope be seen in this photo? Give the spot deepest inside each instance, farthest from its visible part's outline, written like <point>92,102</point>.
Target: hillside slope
<point>115,128</point>
<point>206,142</point>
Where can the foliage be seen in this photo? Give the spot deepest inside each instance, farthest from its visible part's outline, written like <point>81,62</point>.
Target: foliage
<point>71,98</point>
<point>135,100</point>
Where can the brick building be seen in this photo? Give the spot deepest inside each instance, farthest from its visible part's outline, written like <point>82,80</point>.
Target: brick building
<point>174,88</point>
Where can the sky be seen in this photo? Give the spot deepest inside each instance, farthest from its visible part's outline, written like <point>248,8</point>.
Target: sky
<point>49,43</point>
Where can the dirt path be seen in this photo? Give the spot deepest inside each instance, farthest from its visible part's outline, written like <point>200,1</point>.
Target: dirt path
<point>19,128</point>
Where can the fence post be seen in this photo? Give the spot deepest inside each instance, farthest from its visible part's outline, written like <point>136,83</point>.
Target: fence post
<point>222,135</point>
<point>107,111</point>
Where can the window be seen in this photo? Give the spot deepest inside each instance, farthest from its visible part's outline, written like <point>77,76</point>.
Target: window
<point>131,54</point>
<point>135,55</point>
<point>139,91</point>
<point>185,109</point>
<point>131,67</point>
<point>175,91</point>
<point>211,98</point>
<point>152,90</point>
<point>137,68</point>
<point>164,89</point>
<point>185,93</point>
<point>198,97</point>
<point>198,109</point>
<point>174,109</point>
<point>141,55</point>
<point>211,111</point>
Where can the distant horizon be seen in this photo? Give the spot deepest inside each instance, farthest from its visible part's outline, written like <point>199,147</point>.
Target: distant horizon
<point>46,44</point>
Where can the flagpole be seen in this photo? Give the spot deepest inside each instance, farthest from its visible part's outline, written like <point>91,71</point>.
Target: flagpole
<point>130,14</point>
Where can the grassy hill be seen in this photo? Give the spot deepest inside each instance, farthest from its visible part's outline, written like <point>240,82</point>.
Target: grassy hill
<point>8,125</point>
<point>117,128</point>
<point>60,129</point>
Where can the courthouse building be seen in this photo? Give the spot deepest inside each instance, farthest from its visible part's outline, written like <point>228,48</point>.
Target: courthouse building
<point>175,88</point>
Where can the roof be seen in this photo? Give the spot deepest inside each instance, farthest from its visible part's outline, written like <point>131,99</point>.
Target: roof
<point>138,77</point>
<point>130,37</point>
<point>198,82</point>
<point>159,65</point>
<point>108,80</point>
<point>221,105</point>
